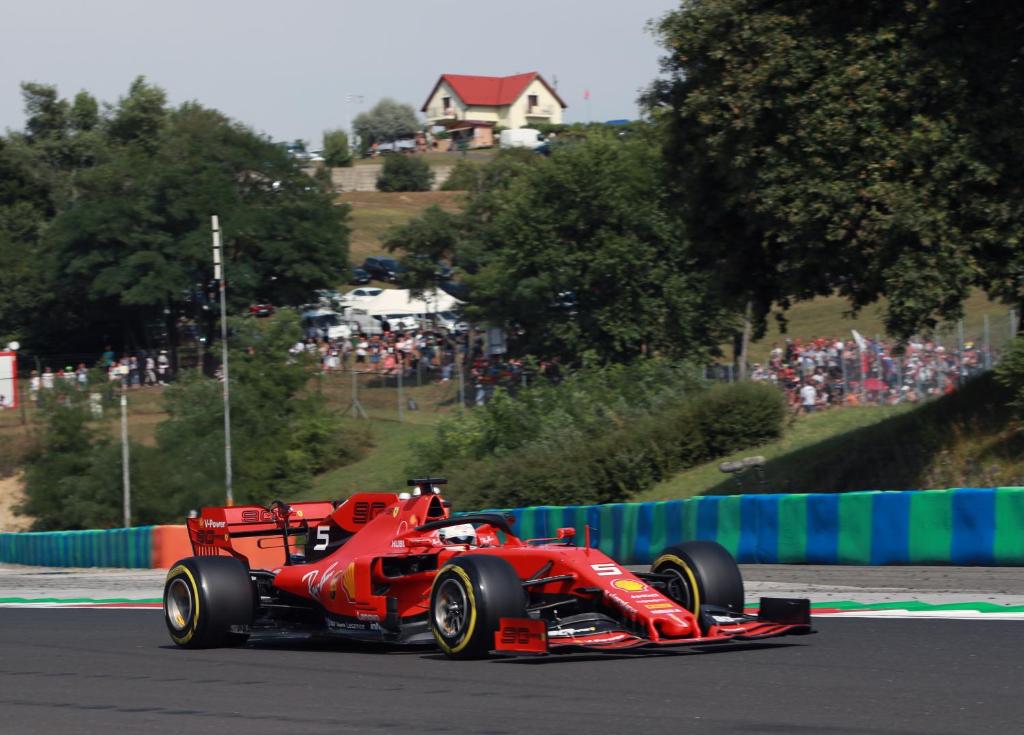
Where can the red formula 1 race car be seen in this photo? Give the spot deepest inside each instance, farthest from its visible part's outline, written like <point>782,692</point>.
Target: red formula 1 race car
<point>400,568</point>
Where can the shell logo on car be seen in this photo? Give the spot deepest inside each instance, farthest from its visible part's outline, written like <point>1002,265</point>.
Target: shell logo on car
<point>629,585</point>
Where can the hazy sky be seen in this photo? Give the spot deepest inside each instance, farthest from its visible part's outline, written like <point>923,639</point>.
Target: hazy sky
<point>285,68</point>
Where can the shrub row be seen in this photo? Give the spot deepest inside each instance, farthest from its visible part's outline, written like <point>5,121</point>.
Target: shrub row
<point>615,464</point>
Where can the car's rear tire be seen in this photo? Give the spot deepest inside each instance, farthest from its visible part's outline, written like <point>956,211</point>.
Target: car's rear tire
<point>206,600</point>
<point>468,598</point>
<point>701,573</point>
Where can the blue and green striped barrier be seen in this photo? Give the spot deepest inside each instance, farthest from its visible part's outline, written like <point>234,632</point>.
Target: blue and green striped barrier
<point>968,526</point>
<point>963,526</point>
<point>118,547</point>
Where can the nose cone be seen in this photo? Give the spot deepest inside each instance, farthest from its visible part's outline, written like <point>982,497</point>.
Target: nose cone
<point>674,626</point>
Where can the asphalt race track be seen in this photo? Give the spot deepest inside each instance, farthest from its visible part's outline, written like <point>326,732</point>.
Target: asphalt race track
<point>104,671</point>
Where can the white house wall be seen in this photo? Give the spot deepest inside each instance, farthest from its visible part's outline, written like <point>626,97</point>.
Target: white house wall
<point>517,117</point>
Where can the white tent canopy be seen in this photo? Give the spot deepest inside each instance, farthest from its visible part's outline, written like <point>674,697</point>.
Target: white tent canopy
<point>400,302</point>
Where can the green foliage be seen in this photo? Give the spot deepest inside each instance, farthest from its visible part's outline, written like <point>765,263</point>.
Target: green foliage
<point>1010,373</point>
<point>587,222</point>
<point>871,149</point>
<point>281,438</point>
<point>405,173</point>
<point>336,148</point>
<point>741,415</point>
<point>464,176</point>
<point>73,478</point>
<point>106,226</point>
<point>626,457</point>
<point>584,404</point>
<point>386,121</point>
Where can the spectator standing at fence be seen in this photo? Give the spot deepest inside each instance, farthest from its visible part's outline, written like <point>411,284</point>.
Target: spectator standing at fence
<point>163,368</point>
<point>808,397</point>
<point>82,376</point>
<point>34,384</point>
<point>150,369</point>
<point>47,379</point>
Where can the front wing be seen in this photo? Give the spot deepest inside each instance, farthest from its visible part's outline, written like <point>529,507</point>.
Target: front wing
<point>776,617</point>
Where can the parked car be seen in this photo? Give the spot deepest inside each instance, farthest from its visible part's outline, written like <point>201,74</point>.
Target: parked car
<point>383,268</point>
<point>358,277</point>
<point>261,310</point>
<point>520,138</point>
<point>359,294</point>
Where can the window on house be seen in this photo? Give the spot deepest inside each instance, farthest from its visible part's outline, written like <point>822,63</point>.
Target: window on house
<point>531,101</point>
<point>446,102</point>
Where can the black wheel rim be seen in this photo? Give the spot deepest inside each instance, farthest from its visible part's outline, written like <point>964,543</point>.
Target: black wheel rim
<point>677,587</point>
<point>451,609</point>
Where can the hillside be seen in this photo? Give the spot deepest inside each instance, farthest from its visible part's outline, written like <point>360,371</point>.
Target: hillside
<point>376,212</point>
<point>967,439</point>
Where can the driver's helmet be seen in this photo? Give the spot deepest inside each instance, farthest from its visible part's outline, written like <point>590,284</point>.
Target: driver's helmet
<point>461,534</point>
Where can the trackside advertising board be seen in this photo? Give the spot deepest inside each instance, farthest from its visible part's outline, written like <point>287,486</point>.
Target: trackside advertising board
<point>8,380</point>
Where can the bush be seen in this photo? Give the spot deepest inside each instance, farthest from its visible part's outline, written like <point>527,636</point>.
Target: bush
<point>615,464</point>
<point>405,173</point>
<point>586,403</point>
<point>465,176</point>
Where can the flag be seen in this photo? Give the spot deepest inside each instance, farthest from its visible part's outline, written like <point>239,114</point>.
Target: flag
<point>859,339</point>
<point>586,94</point>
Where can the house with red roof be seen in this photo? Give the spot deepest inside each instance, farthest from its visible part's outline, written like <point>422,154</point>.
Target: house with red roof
<point>470,106</point>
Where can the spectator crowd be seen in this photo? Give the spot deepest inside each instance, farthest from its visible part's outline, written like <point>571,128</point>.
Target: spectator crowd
<point>823,372</point>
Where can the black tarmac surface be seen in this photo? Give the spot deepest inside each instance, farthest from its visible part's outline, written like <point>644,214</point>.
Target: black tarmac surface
<point>105,671</point>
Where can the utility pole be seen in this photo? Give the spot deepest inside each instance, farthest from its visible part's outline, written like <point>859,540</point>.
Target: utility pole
<point>125,467</point>
<point>218,274</point>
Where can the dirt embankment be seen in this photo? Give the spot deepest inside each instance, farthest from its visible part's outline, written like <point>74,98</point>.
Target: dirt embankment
<point>12,493</point>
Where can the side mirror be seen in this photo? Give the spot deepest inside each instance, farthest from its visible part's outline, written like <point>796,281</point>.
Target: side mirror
<point>566,533</point>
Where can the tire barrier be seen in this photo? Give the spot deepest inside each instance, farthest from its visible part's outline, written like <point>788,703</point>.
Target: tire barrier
<point>961,526</point>
<point>117,547</point>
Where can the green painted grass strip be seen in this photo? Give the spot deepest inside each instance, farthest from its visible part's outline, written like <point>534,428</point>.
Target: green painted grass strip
<point>931,526</point>
<point>78,600</point>
<point>916,606</point>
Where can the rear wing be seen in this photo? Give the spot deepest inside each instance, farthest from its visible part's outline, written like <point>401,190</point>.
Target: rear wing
<point>258,536</point>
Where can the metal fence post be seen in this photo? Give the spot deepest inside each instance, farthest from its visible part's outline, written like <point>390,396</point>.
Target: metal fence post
<point>986,346</point>
<point>401,393</point>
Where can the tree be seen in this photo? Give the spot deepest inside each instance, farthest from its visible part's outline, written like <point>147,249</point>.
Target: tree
<point>125,240</point>
<point>576,254</point>
<point>281,435</point>
<point>336,148</point>
<point>386,121</point>
<point>869,149</point>
<point>405,173</point>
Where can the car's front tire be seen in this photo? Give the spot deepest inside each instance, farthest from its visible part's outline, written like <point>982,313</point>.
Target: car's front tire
<point>206,600</point>
<point>468,598</point>
<point>701,573</point>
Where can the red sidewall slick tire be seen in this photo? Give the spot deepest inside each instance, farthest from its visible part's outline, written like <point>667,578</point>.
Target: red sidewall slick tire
<point>204,596</point>
<point>468,598</point>
<point>709,572</point>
